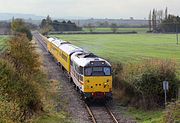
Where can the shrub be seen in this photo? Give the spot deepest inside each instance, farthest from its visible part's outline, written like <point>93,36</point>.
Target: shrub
<point>122,89</point>
<point>22,54</point>
<point>26,31</point>
<point>18,26</point>
<point>9,111</point>
<point>18,91</point>
<point>21,78</point>
<point>142,82</point>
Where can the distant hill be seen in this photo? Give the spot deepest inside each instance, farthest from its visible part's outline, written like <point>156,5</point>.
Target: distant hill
<point>8,16</point>
<point>31,18</point>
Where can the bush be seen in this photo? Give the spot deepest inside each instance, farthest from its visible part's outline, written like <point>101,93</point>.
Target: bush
<point>18,26</point>
<point>17,91</point>
<point>142,82</point>
<point>26,31</point>
<point>22,54</point>
<point>21,79</point>
<point>123,90</point>
<point>9,111</point>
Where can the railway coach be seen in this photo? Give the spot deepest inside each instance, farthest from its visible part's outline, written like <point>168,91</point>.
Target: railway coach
<point>91,74</point>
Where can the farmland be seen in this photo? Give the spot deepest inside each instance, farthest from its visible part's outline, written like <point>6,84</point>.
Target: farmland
<point>139,30</point>
<point>2,43</point>
<point>128,48</point>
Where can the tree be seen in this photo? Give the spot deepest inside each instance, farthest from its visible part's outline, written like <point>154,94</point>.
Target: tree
<point>91,27</point>
<point>17,23</point>
<point>43,23</point>
<point>114,27</point>
<point>48,20</point>
<point>69,22</point>
<point>46,25</point>
<point>19,26</point>
<point>166,13</point>
<point>150,24</point>
<point>154,19</point>
<point>26,31</point>
<point>171,24</point>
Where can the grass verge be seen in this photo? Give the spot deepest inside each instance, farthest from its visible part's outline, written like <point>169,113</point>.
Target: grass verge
<point>141,116</point>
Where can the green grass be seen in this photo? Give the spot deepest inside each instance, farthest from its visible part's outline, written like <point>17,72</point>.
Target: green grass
<point>139,30</point>
<point>3,45</point>
<point>52,118</point>
<point>145,116</point>
<point>128,47</point>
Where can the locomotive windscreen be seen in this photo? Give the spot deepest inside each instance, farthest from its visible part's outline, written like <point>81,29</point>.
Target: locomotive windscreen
<point>97,71</point>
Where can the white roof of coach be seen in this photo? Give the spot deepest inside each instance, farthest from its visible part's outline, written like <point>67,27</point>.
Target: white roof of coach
<point>51,39</point>
<point>69,48</point>
<point>85,61</point>
<point>57,42</point>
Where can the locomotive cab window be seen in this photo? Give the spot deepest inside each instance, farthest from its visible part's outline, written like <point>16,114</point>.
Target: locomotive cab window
<point>88,71</point>
<point>97,71</point>
<point>107,71</point>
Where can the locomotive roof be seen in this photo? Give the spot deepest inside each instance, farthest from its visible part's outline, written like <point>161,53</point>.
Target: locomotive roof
<point>85,59</point>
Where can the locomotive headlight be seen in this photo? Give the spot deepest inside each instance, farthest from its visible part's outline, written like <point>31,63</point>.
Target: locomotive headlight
<point>105,83</point>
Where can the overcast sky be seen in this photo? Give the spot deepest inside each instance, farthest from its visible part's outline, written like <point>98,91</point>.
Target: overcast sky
<point>138,9</point>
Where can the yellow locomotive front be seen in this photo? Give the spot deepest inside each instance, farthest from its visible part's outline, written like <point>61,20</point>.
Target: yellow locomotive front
<point>97,81</point>
<point>92,75</point>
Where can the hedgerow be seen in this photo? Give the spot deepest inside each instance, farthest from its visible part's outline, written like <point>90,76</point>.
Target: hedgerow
<point>19,97</point>
<point>20,81</point>
<point>141,84</point>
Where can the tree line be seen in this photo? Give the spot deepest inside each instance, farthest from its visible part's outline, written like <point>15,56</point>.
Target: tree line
<point>54,25</point>
<point>161,21</point>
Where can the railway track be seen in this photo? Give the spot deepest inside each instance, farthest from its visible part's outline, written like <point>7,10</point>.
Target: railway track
<point>101,113</point>
<point>41,41</point>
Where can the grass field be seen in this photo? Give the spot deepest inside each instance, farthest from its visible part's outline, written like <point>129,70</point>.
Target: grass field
<point>129,47</point>
<point>2,43</point>
<point>139,30</point>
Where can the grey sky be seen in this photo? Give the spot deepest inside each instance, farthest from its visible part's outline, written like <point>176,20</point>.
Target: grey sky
<point>89,8</point>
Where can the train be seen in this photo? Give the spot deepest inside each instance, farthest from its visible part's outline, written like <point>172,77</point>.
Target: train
<point>91,74</point>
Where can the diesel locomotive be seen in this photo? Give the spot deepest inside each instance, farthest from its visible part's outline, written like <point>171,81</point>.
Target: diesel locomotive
<point>91,74</point>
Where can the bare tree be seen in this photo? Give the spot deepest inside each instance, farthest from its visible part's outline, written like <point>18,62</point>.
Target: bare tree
<point>114,27</point>
<point>150,24</point>
<point>154,19</point>
<point>166,13</point>
<point>91,27</point>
